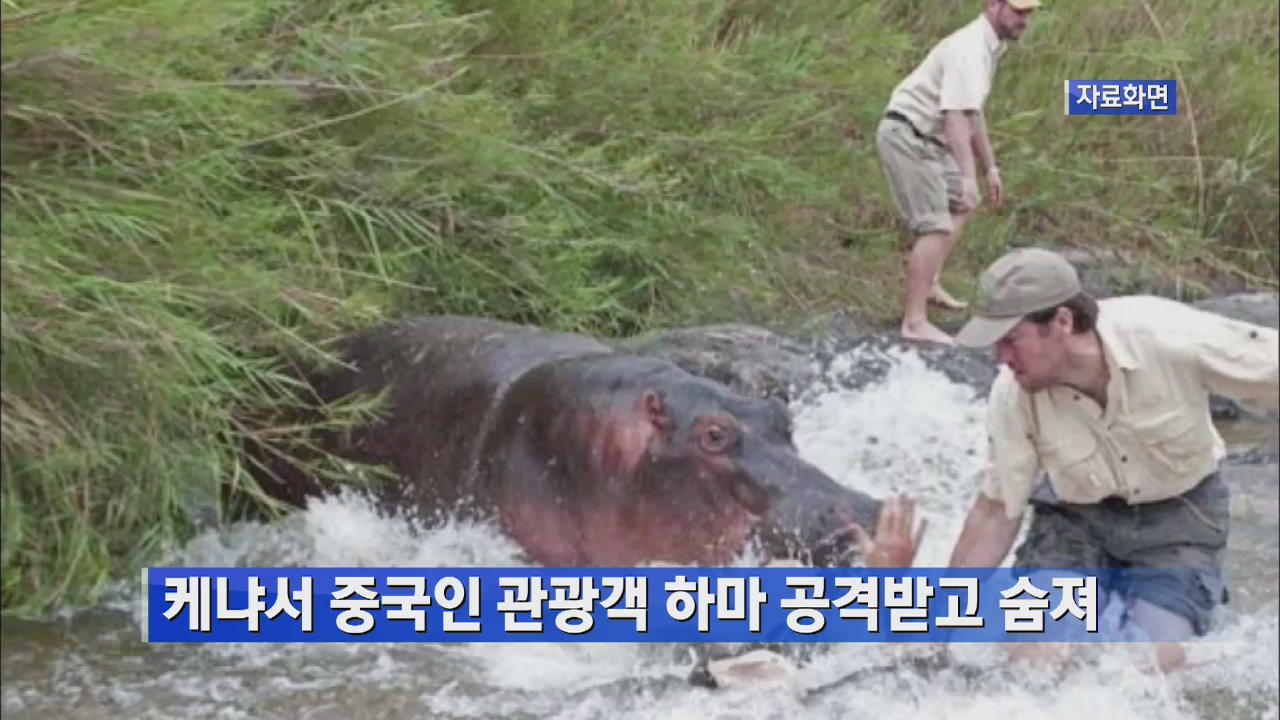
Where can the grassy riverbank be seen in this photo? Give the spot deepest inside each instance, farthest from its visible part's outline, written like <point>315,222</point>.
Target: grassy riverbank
<point>189,185</point>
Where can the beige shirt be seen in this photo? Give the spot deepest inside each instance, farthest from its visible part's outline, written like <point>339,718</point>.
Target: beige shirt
<point>1155,438</point>
<point>955,75</point>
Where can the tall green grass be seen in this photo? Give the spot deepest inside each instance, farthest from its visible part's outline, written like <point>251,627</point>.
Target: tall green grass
<point>192,187</point>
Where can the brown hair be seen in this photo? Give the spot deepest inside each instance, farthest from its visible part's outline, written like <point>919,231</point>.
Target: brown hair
<point>1084,313</point>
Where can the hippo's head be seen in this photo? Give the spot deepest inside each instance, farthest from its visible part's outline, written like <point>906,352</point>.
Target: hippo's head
<point>684,470</point>
<point>718,452</point>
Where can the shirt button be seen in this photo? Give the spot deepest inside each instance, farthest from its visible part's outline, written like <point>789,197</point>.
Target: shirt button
<point>1124,458</point>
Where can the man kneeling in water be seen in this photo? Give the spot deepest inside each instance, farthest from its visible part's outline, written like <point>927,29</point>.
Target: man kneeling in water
<point>1098,421</point>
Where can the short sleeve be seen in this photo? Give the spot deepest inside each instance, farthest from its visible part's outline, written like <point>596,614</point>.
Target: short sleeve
<point>1012,462</point>
<point>964,83</point>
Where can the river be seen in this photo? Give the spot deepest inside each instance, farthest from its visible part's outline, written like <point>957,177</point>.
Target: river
<point>916,431</point>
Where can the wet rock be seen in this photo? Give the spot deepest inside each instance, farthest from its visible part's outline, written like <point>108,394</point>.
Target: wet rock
<point>1259,308</point>
<point>756,668</point>
<point>1103,272</point>
<point>752,360</point>
<point>836,326</point>
<point>1221,408</point>
<point>1260,451</point>
<point>1255,456</point>
<point>1107,272</point>
<point>865,361</point>
<point>760,363</point>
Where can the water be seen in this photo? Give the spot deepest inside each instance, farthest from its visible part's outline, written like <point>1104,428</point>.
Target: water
<point>915,432</point>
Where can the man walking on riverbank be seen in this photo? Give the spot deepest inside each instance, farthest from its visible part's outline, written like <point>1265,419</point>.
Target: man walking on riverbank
<point>1098,422</point>
<point>931,136</point>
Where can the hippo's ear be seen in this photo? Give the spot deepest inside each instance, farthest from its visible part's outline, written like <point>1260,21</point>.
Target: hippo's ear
<point>655,409</point>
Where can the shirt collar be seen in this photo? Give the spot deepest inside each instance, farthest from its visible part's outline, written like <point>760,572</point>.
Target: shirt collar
<point>1113,343</point>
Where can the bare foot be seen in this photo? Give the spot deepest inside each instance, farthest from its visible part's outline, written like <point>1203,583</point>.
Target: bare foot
<point>940,296</point>
<point>925,331</point>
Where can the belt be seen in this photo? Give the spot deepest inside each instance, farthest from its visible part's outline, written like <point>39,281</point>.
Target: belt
<point>895,115</point>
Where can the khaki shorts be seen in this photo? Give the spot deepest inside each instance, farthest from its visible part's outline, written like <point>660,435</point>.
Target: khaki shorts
<point>923,177</point>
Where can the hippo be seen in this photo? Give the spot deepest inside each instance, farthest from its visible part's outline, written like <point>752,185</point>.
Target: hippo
<point>584,455</point>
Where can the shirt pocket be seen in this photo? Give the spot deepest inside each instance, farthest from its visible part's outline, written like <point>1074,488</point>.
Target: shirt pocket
<point>1076,466</point>
<point>1172,437</point>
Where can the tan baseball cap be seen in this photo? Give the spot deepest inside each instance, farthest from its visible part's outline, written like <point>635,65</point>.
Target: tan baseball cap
<point>1022,281</point>
<point>1023,4</point>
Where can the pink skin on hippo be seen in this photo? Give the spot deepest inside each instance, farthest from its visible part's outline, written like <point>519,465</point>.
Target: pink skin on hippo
<point>585,456</point>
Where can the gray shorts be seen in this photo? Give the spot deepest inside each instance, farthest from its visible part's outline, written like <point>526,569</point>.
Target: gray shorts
<point>1181,539</point>
<point>924,178</point>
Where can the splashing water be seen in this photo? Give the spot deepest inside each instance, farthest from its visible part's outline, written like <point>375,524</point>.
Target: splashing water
<point>916,431</point>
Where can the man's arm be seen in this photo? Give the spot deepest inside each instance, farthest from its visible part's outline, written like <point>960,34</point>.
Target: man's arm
<point>1241,360</point>
<point>982,144</point>
<point>959,126</point>
<point>982,149</point>
<point>960,96</point>
<point>1011,469</point>
<point>987,536</point>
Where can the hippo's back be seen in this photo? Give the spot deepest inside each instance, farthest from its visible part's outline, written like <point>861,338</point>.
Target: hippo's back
<point>443,375</point>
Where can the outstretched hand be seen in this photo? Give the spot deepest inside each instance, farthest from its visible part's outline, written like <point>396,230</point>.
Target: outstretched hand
<point>894,544</point>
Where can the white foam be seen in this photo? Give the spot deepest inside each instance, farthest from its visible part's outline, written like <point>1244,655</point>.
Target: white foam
<point>916,432</point>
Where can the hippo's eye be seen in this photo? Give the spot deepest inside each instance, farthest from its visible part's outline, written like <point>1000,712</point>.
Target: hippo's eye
<point>715,438</point>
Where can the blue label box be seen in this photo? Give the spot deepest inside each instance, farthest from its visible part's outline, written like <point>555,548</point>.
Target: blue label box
<point>1120,97</point>
<point>214,604</point>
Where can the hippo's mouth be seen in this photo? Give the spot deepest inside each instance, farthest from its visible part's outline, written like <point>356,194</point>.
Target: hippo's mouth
<point>835,549</point>
<point>752,497</point>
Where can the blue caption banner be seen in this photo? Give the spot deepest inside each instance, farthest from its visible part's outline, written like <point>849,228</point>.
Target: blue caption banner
<point>630,605</point>
<point>1120,97</point>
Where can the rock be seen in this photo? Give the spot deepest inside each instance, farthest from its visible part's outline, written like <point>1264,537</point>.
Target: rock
<point>872,360</point>
<point>1106,272</point>
<point>834,326</point>
<point>1258,308</point>
<point>1103,272</point>
<point>761,363</point>
<point>752,360</point>
<point>1253,457</point>
<point>755,669</point>
<point>1261,450</point>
